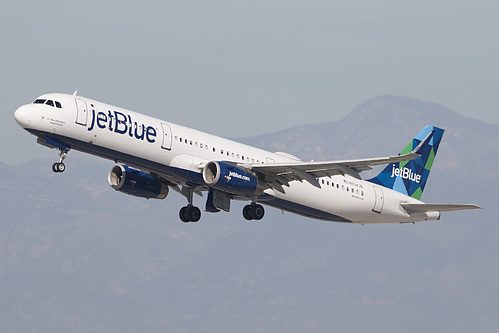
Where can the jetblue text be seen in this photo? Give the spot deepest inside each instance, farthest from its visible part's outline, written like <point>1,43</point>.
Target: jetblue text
<point>406,173</point>
<point>120,123</point>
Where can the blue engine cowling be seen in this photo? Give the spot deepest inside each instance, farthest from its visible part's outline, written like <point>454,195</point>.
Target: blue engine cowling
<point>229,178</point>
<point>137,183</point>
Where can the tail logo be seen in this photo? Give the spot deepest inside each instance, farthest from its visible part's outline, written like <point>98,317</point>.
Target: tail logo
<point>406,173</point>
<point>410,177</point>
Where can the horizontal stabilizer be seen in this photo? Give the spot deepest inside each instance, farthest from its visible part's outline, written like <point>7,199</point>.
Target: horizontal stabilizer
<point>413,208</point>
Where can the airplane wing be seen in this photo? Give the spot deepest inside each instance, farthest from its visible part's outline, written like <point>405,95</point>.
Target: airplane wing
<point>276,175</point>
<point>413,208</point>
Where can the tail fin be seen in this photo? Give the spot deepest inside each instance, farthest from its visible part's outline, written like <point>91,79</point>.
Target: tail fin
<point>410,177</point>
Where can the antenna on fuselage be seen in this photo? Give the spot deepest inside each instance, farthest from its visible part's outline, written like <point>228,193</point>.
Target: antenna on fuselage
<point>74,94</point>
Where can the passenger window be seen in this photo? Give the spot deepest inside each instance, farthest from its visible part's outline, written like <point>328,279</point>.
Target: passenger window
<point>57,104</point>
<point>50,102</point>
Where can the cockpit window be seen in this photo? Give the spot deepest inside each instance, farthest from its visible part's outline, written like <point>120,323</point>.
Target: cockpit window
<point>48,102</point>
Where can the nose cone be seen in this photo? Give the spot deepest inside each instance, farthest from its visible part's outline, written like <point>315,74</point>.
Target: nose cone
<point>22,116</point>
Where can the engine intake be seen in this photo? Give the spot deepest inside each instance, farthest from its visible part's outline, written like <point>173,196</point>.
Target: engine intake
<point>137,183</point>
<point>229,178</point>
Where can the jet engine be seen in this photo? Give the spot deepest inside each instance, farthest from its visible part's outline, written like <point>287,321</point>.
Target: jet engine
<point>231,179</point>
<point>137,183</point>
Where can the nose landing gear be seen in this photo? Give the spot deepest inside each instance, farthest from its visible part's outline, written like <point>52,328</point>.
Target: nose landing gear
<point>59,166</point>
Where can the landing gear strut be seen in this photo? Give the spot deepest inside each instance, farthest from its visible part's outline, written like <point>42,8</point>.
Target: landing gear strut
<point>189,213</point>
<point>253,211</point>
<point>59,166</point>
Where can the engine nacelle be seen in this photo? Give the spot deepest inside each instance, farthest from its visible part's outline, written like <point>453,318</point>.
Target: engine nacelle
<point>137,183</point>
<point>229,178</point>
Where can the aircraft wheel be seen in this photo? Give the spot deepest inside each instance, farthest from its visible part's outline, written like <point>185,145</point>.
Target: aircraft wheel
<point>58,167</point>
<point>190,214</point>
<point>183,214</point>
<point>246,212</point>
<point>253,212</point>
<point>195,214</point>
<point>257,212</point>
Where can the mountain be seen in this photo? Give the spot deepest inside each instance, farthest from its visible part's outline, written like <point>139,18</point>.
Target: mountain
<point>77,256</point>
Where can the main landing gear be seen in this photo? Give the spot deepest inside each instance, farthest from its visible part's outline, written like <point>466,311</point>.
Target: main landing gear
<point>189,213</point>
<point>253,211</point>
<point>59,166</point>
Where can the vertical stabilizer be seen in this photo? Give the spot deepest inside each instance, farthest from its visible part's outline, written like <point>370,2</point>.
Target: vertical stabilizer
<point>410,177</point>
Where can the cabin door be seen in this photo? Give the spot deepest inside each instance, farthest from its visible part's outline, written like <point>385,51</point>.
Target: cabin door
<point>167,136</point>
<point>378,199</point>
<point>81,117</point>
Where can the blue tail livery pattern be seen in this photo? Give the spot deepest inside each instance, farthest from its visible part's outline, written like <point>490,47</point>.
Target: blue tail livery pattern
<point>410,177</point>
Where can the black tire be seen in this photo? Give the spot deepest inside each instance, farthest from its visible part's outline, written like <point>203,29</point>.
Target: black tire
<point>55,167</point>
<point>257,212</point>
<point>190,214</point>
<point>195,214</point>
<point>183,214</point>
<point>246,212</point>
<point>61,167</point>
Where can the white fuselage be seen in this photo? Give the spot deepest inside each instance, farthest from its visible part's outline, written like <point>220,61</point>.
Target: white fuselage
<point>178,154</point>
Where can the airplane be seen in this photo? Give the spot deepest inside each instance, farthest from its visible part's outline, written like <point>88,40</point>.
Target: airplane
<point>153,156</point>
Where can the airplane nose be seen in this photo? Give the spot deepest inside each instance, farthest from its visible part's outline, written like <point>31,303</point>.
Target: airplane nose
<point>21,116</point>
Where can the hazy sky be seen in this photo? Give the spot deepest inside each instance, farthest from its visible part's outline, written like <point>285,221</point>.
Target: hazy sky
<point>242,68</point>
